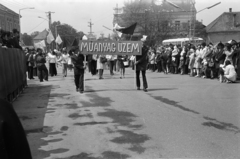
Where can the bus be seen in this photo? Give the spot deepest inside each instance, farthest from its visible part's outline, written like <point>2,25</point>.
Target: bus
<point>183,41</point>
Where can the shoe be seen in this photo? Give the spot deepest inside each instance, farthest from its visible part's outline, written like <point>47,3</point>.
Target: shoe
<point>203,76</point>
<point>121,77</point>
<point>138,88</point>
<point>77,89</point>
<point>46,80</point>
<point>145,90</point>
<point>81,92</point>
<point>41,81</point>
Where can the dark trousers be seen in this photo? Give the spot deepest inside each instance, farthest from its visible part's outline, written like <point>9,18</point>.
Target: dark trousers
<point>164,66</point>
<point>30,72</point>
<point>145,85</point>
<point>100,73</point>
<point>52,69</point>
<point>111,66</point>
<point>159,66</point>
<point>79,81</point>
<point>93,67</point>
<point>42,72</point>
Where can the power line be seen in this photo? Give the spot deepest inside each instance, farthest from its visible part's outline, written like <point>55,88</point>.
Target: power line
<point>36,26</point>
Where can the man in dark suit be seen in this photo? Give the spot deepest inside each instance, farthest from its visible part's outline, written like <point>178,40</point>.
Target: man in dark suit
<point>77,60</point>
<point>141,65</point>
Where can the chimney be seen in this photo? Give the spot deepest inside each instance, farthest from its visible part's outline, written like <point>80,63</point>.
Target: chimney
<point>230,10</point>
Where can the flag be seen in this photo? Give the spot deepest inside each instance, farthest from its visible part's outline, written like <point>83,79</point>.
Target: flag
<point>40,44</point>
<point>128,30</point>
<point>50,37</point>
<point>117,27</point>
<point>58,40</point>
<point>75,43</point>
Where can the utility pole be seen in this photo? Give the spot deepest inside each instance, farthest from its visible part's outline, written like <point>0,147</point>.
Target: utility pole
<point>90,25</point>
<point>50,22</point>
<point>49,18</point>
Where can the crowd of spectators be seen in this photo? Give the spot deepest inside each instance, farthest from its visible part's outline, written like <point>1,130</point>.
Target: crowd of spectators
<point>10,39</point>
<point>203,60</point>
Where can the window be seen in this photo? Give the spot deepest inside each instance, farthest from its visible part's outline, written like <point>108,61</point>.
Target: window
<point>177,25</point>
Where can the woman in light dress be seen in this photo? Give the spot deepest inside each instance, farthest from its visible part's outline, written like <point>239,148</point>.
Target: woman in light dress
<point>100,65</point>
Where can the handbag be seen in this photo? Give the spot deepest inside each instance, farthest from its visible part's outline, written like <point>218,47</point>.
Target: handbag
<point>103,59</point>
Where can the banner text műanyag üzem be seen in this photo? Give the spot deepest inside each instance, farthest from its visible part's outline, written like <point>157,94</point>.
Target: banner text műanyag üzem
<point>111,47</point>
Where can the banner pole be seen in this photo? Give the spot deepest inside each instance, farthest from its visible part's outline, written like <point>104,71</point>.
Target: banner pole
<point>85,60</point>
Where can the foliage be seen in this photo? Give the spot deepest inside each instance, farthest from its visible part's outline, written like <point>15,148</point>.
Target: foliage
<point>66,32</point>
<point>27,39</point>
<point>156,21</point>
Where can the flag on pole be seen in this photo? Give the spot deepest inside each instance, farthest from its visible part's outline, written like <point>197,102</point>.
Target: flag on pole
<point>58,40</point>
<point>128,30</point>
<point>50,37</point>
<point>40,44</point>
<point>115,29</point>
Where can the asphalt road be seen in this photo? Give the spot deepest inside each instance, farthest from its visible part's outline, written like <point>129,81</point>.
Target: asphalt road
<point>179,117</point>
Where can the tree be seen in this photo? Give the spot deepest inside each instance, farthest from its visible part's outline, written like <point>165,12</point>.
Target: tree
<point>150,19</point>
<point>27,39</point>
<point>66,32</point>
<point>34,34</point>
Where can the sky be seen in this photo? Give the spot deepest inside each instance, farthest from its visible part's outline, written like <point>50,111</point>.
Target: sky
<point>78,13</point>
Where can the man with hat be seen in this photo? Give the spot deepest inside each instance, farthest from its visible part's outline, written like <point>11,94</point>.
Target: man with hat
<point>141,65</point>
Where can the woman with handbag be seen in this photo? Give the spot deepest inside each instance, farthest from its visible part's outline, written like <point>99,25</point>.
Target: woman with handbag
<point>101,60</point>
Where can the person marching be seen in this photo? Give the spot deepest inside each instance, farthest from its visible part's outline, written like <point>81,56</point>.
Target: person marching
<point>141,65</point>
<point>64,60</point>
<point>77,60</point>
<point>41,67</point>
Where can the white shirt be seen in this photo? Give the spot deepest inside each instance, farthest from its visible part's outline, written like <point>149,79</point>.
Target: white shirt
<point>52,58</point>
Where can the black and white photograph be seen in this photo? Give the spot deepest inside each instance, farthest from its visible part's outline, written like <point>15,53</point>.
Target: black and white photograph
<point>119,79</point>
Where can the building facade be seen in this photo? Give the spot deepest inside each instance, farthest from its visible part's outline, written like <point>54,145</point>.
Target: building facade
<point>225,28</point>
<point>9,20</point>
<point>170,21</point>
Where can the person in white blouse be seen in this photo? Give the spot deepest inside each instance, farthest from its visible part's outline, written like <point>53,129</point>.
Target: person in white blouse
<point>64,60</point>
<point>228,72</point>
<point>52,58</point>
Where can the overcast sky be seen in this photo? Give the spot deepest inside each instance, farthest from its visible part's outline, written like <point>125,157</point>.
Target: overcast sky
<point>78,13</point>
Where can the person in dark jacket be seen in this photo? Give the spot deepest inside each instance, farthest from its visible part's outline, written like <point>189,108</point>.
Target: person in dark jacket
<point>42,69</point>
<point>219,58</point>
<point>77,60</point>
<point>15,40</point>
<point>141,65</point>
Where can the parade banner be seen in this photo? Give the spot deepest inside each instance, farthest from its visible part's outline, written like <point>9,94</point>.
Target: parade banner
<point>110,47</point>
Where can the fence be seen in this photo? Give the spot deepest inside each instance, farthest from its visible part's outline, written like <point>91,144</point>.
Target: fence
<point>12,73</point>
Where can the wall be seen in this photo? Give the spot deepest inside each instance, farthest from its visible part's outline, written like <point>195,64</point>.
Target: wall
<point>12,73</point>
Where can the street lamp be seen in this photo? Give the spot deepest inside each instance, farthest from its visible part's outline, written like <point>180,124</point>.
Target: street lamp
<point>20,18</point>
<point>194,23</point>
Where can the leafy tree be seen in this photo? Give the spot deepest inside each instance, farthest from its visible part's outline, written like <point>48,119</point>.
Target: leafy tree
<point>66,32</point>
<point>27,39</point>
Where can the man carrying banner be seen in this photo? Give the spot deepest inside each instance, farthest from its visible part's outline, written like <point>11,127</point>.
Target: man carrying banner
<point>141,65</point>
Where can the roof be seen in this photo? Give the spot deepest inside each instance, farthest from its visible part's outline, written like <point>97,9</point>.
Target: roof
<point>42,35</point>
<point>4,8</point>
<point>226,22</point>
